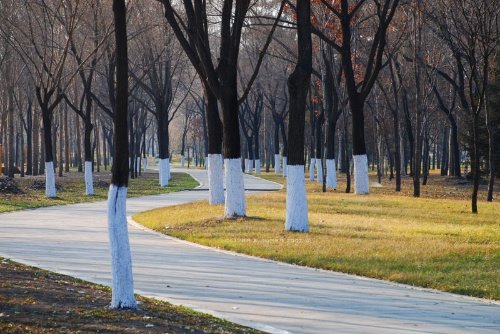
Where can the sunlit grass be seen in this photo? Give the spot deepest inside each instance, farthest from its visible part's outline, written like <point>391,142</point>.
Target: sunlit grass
<point>73,190</point>
<point>428,242</point>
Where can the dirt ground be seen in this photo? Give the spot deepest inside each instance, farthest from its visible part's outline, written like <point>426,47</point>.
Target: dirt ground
<point>38,301</point>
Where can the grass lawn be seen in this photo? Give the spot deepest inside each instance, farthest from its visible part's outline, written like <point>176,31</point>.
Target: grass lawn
<point>38,301</point>
<point>73,190</point>
<point>433,241</point>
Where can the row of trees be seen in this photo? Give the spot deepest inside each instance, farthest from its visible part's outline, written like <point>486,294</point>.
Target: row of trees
<point>410,85</point>
<point>404,86</point>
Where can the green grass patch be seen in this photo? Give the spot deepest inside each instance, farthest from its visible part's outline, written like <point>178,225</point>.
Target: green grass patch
<point>427,242</point>
<point>73,190</point>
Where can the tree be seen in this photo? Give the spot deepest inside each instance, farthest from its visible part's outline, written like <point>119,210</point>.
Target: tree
<point>344,35</point>
<point>219,80</point>
<point>162,78</point>
<point>470,31</point>
<point>277,103</point>
<point>47,31</point>
<point>298,86</point>
<point>188,115</point>
<point>331,80</point>
<point>250,119</point>
<point>84,50</point>
<point>121,265</point>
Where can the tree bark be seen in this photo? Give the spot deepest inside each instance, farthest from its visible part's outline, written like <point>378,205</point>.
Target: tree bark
<point>491,155</point>
<point>475,162</point>
<point>11,146</point>
<point>122,280</point>
<point>298,84</point>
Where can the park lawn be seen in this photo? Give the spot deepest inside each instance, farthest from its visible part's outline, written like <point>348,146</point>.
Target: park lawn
<point>38,301</point>
<point>427,242</point>
<point>73,190</point>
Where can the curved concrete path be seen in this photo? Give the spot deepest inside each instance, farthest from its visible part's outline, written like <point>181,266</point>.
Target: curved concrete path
<point>271,296</point>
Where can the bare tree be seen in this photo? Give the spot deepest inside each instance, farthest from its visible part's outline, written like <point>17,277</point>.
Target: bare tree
<point>376,18</point>
<point>298,85</point>
<point>219,79</point>
<point>122,286</point>
<point>470,31</point>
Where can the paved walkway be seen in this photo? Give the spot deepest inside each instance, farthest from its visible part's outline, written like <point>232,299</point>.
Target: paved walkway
<point>274,297</point>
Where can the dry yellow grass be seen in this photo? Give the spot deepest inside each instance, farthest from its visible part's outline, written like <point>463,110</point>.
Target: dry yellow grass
<point>429,242</point>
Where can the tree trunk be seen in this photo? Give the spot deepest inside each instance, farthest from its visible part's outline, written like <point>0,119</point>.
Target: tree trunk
<point>409,131</point>
<point>361,182</point>
<point>277,163</point>
<point>21,166</point>
<point>61,146</point>
<point>98,147</point>
<point>87,149</point>
<point>235,193</point>
<point>285,147</point>
<point>256,152</point>
<point>5,147</point>
<point>346,154</point>
<point>66,143</point>
<point>319,149</point>
<point>475,162</point>
<point>444,152</point>
<point>298,84</point>
<point>50,182</point>
<point>29,139</point>
<point>36,145</point>
<point>397,149</point>
<point>331,168</point>
<point>491,155</point>
<point>312,146</point>
<point>454,149</point>
<point>163,147</point>
<point>250,155</point>
<point>79,145</point>
<point>121,259</point>
<point>41,166</point>
<point>417,45</point>
<point>11,146</point>
<point>434,154</point>
<point>215,161</point>
<point>105,150</point>
<point>426,159</point>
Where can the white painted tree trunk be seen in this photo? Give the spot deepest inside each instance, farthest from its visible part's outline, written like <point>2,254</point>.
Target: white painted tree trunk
<point>340,156</point>
<point>164,172</point>
<point>235,190</point>
<point>285,166</point>
<point>89,182</point>
<point>183,160</point>
<point>361,181</point>
<point>277,164</point>
<point>215,179</point>
<point>50,180</point>
<point>311,169</point>
<point>121,258</point>
<point>296,201</point>
<point>248,166</point>
<point>257,166</point>
<point>138,164</point>
<point>319,169</point>
<point>144,164</point>
<point>331,174</point>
